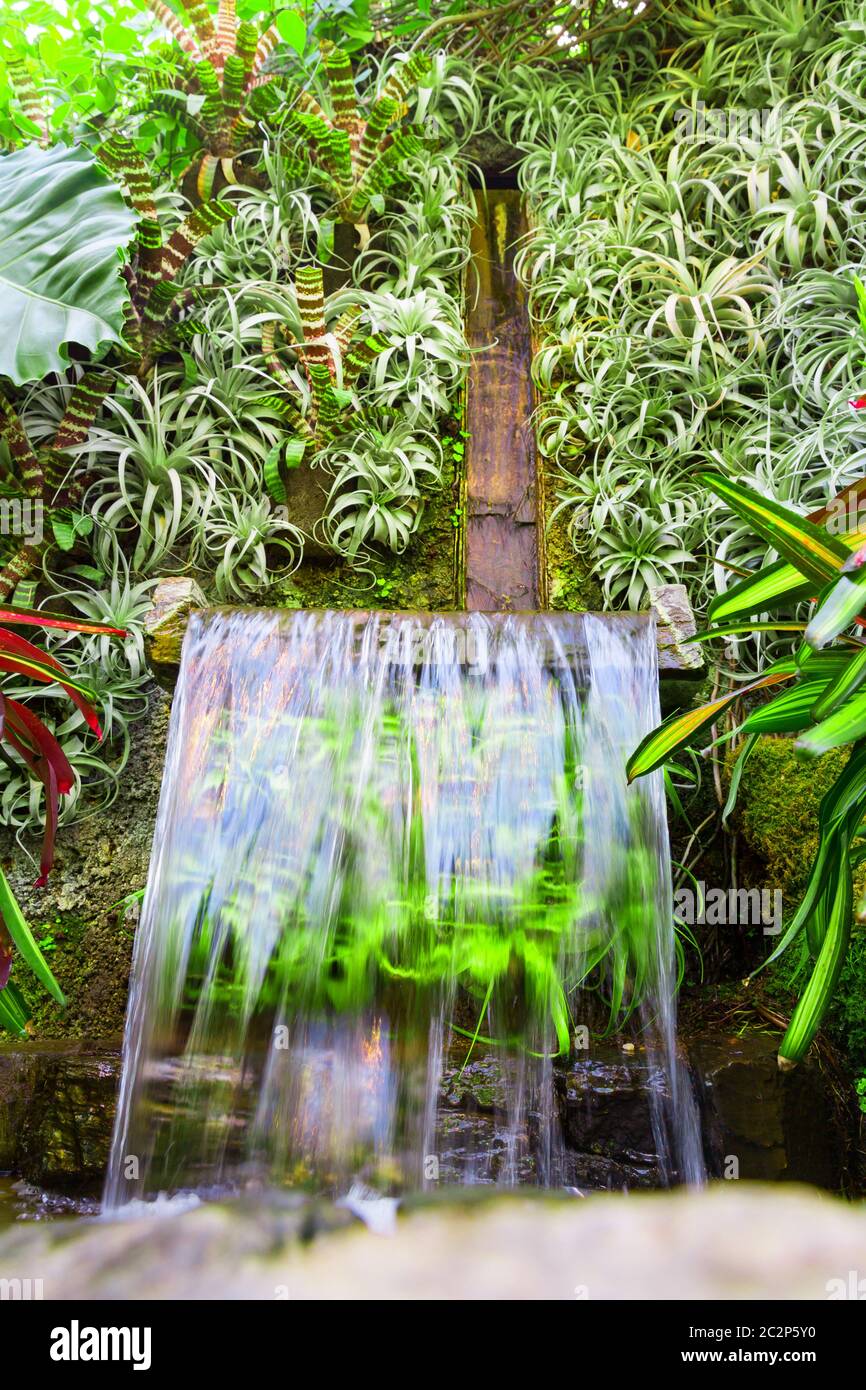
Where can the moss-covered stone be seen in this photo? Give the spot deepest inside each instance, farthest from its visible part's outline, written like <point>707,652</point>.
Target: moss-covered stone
<point>86,915</point>
<point>777,808</point>
<point>572,586</point>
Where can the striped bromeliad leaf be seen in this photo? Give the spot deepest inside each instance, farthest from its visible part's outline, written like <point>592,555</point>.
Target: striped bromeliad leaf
<point>817,555</point>
<point>310,294</point>
<point>355,158</point>
<point>128,167</point>
<point>57,287</point>
<point>14,1015</point>
<point>676,731</point>
<point>781,583</point>
<point>839,815</point>
<point>745,629</point>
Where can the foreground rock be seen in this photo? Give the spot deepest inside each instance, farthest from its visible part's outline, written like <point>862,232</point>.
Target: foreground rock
<point>57,1103</point>
<point>731,1241</point>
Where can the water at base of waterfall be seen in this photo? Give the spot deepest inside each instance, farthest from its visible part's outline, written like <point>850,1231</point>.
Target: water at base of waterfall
<point>398,887</point>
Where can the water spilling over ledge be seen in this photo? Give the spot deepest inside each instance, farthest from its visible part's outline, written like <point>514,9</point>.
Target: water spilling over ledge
<point>387,847</point>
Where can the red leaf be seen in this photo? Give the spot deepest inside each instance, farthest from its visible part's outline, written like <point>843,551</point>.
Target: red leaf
<point>22,719</point>
<point>10,642</point>
<point>32,617</point>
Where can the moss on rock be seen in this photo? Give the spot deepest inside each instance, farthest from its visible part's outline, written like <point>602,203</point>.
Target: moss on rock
<point>86,915</point>
<point>778,806</point>
<point>572,587</point>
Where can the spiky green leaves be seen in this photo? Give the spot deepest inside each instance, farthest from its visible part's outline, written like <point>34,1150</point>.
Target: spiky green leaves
<point>826,708</point>
<point>63,228</point>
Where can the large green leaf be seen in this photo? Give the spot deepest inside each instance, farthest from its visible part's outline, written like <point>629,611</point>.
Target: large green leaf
<point>63,224</point>
<point>844,725</point>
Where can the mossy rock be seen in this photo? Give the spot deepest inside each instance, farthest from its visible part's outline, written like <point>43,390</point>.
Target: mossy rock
<point>777,809</point>
<point>88,911</point>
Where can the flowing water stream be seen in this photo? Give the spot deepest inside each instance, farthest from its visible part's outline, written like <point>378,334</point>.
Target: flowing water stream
<point>389,845</point>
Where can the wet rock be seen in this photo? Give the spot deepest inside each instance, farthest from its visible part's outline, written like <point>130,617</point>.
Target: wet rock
<point>676,624</point>
<point>174,599</point>
<point>605,1104</point>
<point>57,1103</point>
<point>760,1122</point>
<point>732,1241</point>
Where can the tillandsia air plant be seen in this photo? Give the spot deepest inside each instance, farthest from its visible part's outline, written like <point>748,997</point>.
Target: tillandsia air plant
<point>27,739</point>
<point>823,706</point>
<point>696,239</point>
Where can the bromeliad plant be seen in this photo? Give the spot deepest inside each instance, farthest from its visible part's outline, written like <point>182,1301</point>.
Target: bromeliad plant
<point>317,389</point>
<point>219,90</point>
<point>356,159</point>
<point>156,301</point>
<point>43,483</point>
<point>824,705</point>
<point>27,740</point>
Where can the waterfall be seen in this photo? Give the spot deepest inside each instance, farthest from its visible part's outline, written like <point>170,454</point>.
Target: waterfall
<point>391,848</point>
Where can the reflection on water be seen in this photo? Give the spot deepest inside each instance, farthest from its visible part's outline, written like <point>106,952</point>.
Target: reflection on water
<point>384,843</point>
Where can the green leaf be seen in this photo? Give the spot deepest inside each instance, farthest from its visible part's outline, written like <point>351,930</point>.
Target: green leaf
<point>836,904</point>
<point>841,605</point>
<point>816,554</point>
<point>13,1011</point>
<point>63,224</point>
<point>676,731</point>
<point>292,29</point>
<point>843,726</point>
<point>737,773</point>
<point>25,941</point>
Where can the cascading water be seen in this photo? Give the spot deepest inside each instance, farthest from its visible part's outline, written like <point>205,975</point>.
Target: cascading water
<point>388,845</point>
